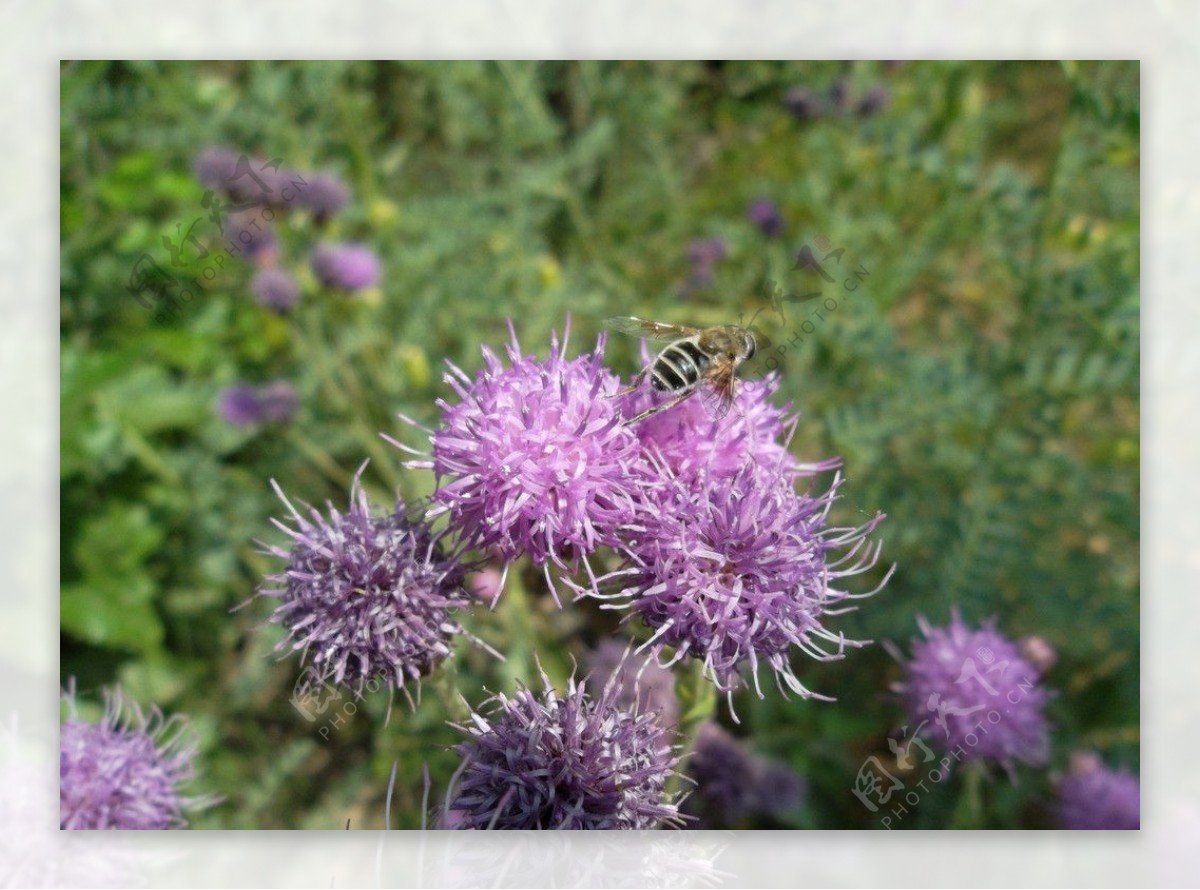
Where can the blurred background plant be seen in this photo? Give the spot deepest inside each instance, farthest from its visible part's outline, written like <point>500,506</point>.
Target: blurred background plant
<point>980,380</point>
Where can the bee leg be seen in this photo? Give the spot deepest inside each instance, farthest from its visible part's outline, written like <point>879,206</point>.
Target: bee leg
<point>633,387</point>
<point>665,406</point>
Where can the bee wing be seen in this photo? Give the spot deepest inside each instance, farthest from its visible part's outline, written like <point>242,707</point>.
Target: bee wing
<point>718,395</point>
<point>655,330</point>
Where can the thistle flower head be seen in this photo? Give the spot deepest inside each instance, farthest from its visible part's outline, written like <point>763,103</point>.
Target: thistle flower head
<point>974,692</point>
<point>324,195</point>
<point>738,570</point>
<point>803,103</point>
<point>244,405</point>
<point>534,459</point>
<point>240,405</point>
<point>562,762</point>
<point>275,289</point>
<point>345,266</point>
<point>127,771</point>
<point>690,437</point>
<point>365,596</point>
<point>764,213</point>
<point>1093,797</point>
<point>733,783</point>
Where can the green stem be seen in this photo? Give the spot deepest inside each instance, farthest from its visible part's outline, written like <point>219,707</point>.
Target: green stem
<point>697,705</point>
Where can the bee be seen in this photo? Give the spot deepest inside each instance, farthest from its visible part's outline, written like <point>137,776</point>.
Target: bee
<point>695,356</point>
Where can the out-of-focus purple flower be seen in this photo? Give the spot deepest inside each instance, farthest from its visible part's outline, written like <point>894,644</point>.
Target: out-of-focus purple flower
<point>486,585</point>
<point>243,405</point>
<point>642,683</point>
<point>874,101</point>
<point>127,771</point>
<point>324,195</point>
<point>688,437</point>
<point>975,694</point>
<point>764,213</point>
<point>534,458</point>
<point>215,167</point>
<point>247,180</point>
<point>250,233</point>
<point>345,266</point>
<point>240,405</point>
<point>366,597</point>
<point>733,783</point>
<point>275,289</point>
<point>279,402</point>
<point>839,94</point>
<point>736,570</point>
<point>563,762</point>
<point>1092,797</point>
<point>803,103</point>
<point>1039,653</point>
<point>704,256</point>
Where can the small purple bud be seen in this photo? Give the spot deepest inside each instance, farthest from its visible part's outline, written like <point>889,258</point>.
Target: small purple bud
<point>275,289</point>
<point>803,104</point>
<point>345,266</point>
<point>764,213</point>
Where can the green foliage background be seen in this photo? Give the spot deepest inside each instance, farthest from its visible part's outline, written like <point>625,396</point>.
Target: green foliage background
<point>981,383</point>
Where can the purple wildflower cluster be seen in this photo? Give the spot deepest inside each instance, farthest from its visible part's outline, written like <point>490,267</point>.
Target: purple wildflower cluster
<point>697,523</point>
<point>261,196</point>
<point>722,559</point>
<point>562,762</point>
<point>127,771</point>
<point>806,104</point>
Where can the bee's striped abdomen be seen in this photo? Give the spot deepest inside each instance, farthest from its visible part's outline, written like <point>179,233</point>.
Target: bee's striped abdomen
<point>680,366</point>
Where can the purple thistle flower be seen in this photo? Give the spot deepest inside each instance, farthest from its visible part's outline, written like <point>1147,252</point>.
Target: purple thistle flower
<point>279,402</point>
<point>215,166</point>
<point>534,458</point>
<point>645,685</point>
<point>240,405</point>
<point>704,256</point>
<point>688,437</point>
<point>324,195</point>
<point>275,289</point>
<point>1093,797</point>
<point>562,762</point>
<point>735,570</point>
<point>874,101</point>
<point>251,233</point>
<point>366,597</point>
<point>244,405</point>
<point>246,179</point>
<point>733,783</point>
<point>126,771</point>
<point>965,685</point>
<point>345,266</point>
<point>803,104</point>
<point>764,213</point>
